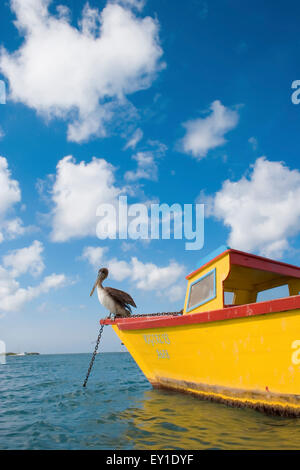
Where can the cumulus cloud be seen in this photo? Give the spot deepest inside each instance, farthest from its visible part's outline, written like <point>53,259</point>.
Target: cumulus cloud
<point>149,276</point>
<point>14,228</point>
<point>81,74</point>
<point>146,167</point>
<point>77,191</point>
<point>94,255</point>
<point>80,189</point>
<point>28,259</point>
<point>147,163</point>
<point>10,192</point>
<point>204,134</point>
<point>25,260</point>
<point>13,297</point>
<point>261,210</point>
<point>146,276</point>
<point>10,195</point>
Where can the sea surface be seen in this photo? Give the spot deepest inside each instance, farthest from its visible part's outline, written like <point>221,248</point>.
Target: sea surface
<point>44,406</point>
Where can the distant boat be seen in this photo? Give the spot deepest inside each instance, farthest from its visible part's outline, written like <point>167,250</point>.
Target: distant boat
<point>21,354</point>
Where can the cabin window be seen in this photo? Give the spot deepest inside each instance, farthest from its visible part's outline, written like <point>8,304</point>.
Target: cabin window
<point>228,298</point>
<point>274,293</point>
<point>202,290</point>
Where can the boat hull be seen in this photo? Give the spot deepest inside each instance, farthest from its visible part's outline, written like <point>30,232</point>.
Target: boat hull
<point>250,361</point>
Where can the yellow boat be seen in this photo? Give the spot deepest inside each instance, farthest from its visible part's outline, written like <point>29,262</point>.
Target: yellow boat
<point>246,353</point>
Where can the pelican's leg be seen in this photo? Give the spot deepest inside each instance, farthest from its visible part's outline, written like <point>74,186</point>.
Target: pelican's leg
<point>111,316</point>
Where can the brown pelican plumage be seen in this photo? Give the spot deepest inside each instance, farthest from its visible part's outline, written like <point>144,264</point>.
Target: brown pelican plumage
<point>117,302</point>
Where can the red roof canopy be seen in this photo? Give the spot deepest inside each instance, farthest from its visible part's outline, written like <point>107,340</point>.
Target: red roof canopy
<point>249,260</point>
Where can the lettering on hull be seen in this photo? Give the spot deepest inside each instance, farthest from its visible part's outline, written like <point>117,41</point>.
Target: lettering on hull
<point>157,339</point>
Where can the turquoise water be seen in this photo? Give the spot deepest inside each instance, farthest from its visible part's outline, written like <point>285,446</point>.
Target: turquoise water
<point>43,406</point>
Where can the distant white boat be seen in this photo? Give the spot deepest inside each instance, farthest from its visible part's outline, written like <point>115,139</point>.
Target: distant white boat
<point>21,354</point>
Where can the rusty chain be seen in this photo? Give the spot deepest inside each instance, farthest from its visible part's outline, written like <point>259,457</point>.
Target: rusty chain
<point>94,355</point>
<point>156,314</point>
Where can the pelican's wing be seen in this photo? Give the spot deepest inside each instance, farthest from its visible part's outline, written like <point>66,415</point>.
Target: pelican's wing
<point>120,296</point>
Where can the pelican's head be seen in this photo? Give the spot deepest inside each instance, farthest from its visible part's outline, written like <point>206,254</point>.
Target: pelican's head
<point>102,274</point>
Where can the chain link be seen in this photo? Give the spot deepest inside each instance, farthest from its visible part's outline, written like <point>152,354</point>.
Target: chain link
<point>157,314</point>
<point>94,355</point>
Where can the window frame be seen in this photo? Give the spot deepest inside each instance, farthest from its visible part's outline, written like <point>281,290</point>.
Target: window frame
<point>212,271</point>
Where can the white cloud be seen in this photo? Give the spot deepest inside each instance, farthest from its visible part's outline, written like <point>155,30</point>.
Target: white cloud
<point>134,139</point>
<point>261,210</point>
<point>77,192</point>
<point>25,260</point>
<point>138,4</point>
<point>119,270</point>
<point>146,167</point>
<point>13,297</point>
<point>52,282</point>
<point>94,255</point>
<point>82,75</point>
<point>145,276</point>
<point>28,259</point>
<point>15,228</point>
<point>149,276</point>
<point>10,192</point>
<point>10,195</point>
<point>204,134</point>
<point>147,162</point>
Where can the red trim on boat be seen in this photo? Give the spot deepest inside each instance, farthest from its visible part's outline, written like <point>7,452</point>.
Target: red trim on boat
<point>239,311</point>
<point>255,262</point>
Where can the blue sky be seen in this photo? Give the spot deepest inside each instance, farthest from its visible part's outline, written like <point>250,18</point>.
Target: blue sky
<point>200,90</point>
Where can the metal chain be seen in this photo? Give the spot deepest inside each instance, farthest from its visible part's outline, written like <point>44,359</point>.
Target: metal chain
<point>157,314</point>
<point>145,315</point>
<point>94,355</point>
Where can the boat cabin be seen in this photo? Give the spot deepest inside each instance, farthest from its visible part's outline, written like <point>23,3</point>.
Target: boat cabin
<point>230,277</point>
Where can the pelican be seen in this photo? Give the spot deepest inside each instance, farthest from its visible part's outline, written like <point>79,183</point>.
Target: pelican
<point>116,301</point>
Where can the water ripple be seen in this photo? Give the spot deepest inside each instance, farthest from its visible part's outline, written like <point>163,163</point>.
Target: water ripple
<point>44,406</point>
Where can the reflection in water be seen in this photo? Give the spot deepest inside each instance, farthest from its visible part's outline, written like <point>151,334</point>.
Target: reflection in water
<point>44,406</point>
<point>167,420</point>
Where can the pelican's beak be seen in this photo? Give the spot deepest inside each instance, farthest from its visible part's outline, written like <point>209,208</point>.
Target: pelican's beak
<point>92,291</point>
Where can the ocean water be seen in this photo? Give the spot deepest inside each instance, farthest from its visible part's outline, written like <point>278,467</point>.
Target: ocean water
<point>44,406</point>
